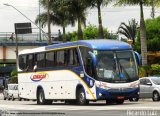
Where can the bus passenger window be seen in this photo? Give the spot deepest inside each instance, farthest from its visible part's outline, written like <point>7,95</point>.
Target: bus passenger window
<point>50,59</point>
<point>73,57</point>
<point>23,62</point>
<point>60,58</point>
<point>40,60</point>
<point>30,62</point>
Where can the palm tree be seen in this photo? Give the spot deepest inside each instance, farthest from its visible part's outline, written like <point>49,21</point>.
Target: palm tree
<point>59,15</point>
<point>153,8</point>
<point>129,31</point>
<point>78,8</point>
<point>65,12</point>
<point>57,18</point>
<point>98,4</point>
<point>142,25</point>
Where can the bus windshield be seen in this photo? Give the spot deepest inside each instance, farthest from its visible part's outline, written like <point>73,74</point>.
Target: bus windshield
<point>116,66</point>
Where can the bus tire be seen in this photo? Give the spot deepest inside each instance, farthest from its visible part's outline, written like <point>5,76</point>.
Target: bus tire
<point>40,97</point>
<point>81,98</point>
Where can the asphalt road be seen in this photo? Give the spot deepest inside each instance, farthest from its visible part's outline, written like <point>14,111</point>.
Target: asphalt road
<point>25,108</point>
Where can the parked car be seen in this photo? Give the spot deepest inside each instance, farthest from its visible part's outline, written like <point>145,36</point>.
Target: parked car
<point>11,92</point>
<point>5,94</point>
<point>150,88</point>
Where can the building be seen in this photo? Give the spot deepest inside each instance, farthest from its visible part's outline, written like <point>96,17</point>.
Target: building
<point>8,48</point>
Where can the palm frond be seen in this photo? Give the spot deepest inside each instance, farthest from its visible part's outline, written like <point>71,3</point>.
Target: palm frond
<point>130,30</point>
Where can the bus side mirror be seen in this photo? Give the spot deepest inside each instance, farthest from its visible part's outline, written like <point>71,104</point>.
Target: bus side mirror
<point>138,57</point>
<point>94,59</point>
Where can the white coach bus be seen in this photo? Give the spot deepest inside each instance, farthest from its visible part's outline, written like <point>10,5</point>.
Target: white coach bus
<point>79,72</point>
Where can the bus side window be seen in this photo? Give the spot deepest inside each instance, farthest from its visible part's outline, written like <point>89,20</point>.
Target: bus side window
<point>23,62</point>
<point>60,58</point>
<point>40,58</point>
<point>30,61</point>
<point>86,62</point>
<point>73,57</point>
<point>50,59</point>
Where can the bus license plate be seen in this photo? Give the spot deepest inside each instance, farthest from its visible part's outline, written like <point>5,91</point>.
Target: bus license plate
<point>120,97</point>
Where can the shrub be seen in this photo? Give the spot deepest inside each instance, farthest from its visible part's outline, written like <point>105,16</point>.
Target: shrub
<point>155,69</point>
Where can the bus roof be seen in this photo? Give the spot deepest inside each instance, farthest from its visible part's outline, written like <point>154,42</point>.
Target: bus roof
<point>100,44</point>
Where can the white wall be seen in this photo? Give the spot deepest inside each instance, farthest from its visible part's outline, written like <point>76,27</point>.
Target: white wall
<point>11,51</point>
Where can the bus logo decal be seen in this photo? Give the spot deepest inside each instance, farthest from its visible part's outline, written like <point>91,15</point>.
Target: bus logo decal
<point>39,76</point>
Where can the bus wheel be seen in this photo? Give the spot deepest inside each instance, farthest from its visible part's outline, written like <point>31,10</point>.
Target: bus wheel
<point>40,97</point>
<point>120,101</point>
<point>81,99</point>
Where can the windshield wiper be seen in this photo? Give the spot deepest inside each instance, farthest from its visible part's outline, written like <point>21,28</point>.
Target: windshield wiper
<point>126,73</point>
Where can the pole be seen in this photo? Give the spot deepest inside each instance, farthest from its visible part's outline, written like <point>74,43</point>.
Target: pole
<point>17,59</point>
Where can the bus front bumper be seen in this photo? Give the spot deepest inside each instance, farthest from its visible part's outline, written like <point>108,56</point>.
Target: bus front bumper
<point>103,94</point>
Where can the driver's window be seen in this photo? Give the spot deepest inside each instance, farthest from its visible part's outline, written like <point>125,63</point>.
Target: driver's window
<point>87,61</point>
<point>147,81</point>
<point>106,65</point>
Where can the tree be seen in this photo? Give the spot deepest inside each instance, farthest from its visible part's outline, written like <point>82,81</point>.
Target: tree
<point>78,8</point>
<point>129,31</point>
<point>65,12</point>
<point>59,15</point>
<point>153,8</point>
<point>14,78</point>
<point>142,25</point>
<point>98,4</point>
<point>91,32</point>
<point>153,36</point>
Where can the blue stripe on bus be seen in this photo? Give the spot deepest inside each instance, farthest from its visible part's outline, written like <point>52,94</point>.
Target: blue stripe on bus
<point>102,44</point>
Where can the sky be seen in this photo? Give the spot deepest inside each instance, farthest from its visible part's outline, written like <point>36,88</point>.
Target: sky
<point>111,16</point>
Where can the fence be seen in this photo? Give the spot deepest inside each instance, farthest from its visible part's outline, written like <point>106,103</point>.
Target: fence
<point>5,36</point>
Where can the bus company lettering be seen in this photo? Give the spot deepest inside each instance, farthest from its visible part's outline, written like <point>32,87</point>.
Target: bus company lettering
<point>39,76</point>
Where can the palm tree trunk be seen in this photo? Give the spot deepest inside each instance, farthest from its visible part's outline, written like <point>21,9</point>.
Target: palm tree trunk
<point>80,34</point>
<point>143,36</point>
<point>49,24</point>
<point>153,9</point>
<point>100,33</point>
<point>64,33</point>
